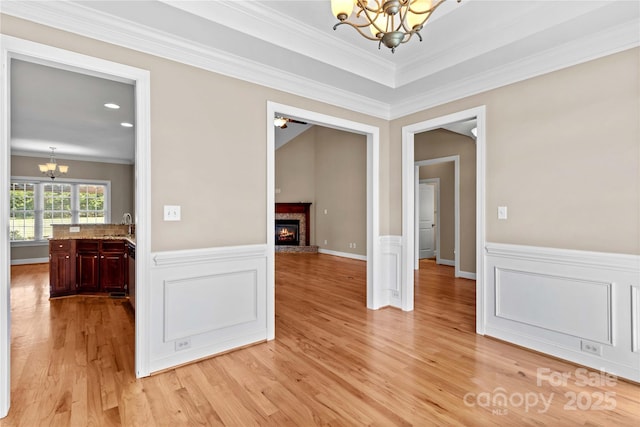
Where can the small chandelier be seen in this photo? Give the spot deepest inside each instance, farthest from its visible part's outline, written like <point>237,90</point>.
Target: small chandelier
<point>51,168</point>
<point>390,22</point>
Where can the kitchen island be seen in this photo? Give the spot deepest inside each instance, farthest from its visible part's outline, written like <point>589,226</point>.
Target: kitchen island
<point>90,259</point>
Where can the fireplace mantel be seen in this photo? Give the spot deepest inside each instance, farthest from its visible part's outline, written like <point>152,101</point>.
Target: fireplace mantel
<point>301,208</point>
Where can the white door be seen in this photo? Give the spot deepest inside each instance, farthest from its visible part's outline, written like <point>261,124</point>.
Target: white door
<point>427,222</point>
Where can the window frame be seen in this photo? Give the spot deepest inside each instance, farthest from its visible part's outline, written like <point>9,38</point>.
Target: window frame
<point>39,183</point>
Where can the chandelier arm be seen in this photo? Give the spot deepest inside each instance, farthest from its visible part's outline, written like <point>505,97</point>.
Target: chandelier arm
<point>357,27</point>
<point>371,21</point>
<point>364,5</point>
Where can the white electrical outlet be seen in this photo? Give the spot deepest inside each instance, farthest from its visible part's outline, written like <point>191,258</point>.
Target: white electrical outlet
<point>74,229</point>
<point>590,347</point>
<point>325,242</point>
<point>183,344</point>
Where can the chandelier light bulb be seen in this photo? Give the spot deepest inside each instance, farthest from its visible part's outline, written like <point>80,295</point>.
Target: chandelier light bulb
<point>390,22</point>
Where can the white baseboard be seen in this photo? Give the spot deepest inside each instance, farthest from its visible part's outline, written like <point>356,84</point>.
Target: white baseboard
<point>447,262</point>
<point>342,254</point>
<point>467,275</point>
<point>564,302</point>
<point>30,261</point>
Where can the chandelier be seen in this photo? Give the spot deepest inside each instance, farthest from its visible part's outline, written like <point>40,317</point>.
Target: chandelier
<point>390,22</point>
<point>51,168</point>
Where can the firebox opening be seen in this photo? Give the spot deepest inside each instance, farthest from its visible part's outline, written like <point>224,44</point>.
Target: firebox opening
<point>288,232</point>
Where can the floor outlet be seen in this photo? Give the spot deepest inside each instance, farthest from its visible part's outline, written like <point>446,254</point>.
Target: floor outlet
<point>183,344</point>
<point>589,347</point>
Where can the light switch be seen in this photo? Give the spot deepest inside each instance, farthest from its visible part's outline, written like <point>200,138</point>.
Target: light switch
<point>502,212</point>
<point>171,213</point>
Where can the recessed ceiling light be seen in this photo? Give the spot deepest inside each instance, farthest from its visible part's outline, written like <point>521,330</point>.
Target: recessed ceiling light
<point>126,125</point>
<point>112,106</point>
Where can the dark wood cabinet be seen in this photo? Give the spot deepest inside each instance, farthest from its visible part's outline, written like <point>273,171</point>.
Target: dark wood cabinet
<point>113,266</point>
<point>87,261</point>
<point>87,265</point>
<point>61,268</point>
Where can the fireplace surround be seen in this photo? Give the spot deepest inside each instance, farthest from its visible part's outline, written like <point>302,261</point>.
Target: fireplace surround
<point>298,212</point>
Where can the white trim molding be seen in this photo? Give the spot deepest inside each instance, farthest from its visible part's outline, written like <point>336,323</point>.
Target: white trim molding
<point>75,18</point>
<point>372,133</point>
<point>12,47</point>
<point>577,305</point>
<point>391,270</point>
<point>456,208</point>
<point>408,204</point>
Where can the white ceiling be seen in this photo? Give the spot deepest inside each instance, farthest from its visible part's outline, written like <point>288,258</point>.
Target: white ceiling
<point>468,47</point>
<point>51,107</point>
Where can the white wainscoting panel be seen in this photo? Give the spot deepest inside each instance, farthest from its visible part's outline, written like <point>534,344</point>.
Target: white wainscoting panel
<point>391,269</point>
<point>577,305</point>
<point>197,305</point>
<point>206,301</point>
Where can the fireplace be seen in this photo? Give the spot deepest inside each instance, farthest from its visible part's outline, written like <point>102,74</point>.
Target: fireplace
<point>288,232</point>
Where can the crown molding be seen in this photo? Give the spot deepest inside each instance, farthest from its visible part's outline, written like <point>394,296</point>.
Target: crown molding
<point>578,51</point>
<point>265,23</point>
<point>91,23</point>
<point>107,28</point>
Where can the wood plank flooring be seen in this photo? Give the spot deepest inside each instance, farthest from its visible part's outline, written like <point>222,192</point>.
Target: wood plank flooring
<point>333,363</point>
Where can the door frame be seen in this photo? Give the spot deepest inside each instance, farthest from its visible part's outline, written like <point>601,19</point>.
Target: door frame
<point>456,208</point>
<point>435,182</point>
<point>12,47</point>
<point>408,204</point>
<point>375,298</point>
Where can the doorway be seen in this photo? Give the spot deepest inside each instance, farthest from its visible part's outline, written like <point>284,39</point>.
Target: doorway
<point>408,203</point>
<point>375,297</point>
<point>14,48</point>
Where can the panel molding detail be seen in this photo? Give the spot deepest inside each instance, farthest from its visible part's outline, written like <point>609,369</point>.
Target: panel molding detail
<point>576,305</point>
<point>391,269</point>
<point>206,301</point>
<point>635,319</point>
<point>202,304</point>
<point>581,308</point>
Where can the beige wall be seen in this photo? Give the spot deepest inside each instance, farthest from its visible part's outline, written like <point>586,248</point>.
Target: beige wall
<point>562,151</point>
<point>215,170</point>
<point>122,186</point>
<point>562,154</point>
<point>442,143</point>
<point>446,173</point>
<point>328,167</point>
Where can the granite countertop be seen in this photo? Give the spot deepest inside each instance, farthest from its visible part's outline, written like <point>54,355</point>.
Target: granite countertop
<point>127,238</point>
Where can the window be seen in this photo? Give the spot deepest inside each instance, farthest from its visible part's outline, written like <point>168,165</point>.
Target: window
<point>22,206</point>
<point>37,205</point>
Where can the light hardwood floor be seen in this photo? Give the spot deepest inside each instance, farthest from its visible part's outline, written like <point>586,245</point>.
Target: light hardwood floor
<point>333,363</point>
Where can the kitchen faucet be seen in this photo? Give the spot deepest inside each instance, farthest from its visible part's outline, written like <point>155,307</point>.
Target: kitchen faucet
<point>126,219</point>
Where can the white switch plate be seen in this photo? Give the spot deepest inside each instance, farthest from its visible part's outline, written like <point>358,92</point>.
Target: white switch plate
<point>502,212</point>
<point>171,213</point>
